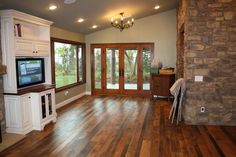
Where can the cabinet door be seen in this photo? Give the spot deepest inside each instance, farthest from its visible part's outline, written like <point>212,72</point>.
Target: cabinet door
<point>47,104</point>
<point>43,106</point>
<point>13,114</point>
<point>50,105</point>
<point>26,110</point>
<point>162,86</point>
<point>42,48</point>
<point>24,48</point>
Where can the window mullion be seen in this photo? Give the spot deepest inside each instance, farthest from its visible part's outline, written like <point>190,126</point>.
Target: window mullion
<point>77,62</point>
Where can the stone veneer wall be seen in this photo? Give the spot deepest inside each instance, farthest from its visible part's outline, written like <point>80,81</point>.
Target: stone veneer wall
<point>180,27</point>
<point>210,51</point>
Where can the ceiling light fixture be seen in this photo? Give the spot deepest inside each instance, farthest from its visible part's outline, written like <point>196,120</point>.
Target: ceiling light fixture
<point>52,7</point>
<point>94,26</point>
<point>122,25</point>
<point>69,1</point>
<point>157,7</point>
<point>80,20</point>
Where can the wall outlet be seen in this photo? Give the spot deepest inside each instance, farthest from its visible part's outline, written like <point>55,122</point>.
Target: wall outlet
<point>66,93</point>
<point>198,78</point>
<point>202,109</point>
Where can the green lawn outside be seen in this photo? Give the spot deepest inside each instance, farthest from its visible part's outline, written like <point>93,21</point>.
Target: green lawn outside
<point>65,80</point>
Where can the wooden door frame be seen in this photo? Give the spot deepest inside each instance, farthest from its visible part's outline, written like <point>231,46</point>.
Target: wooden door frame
<point>93,89</point>
<point>121,47</point>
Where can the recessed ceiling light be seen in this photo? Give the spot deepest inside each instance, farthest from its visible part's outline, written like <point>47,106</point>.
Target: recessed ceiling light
<point>94,26</point>
<point>52,7</point>
<point>80,20</point>
<point>69,1</point>
<point>157,7</point>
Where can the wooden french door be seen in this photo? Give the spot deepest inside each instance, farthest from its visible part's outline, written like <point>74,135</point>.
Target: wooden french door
<point>122,69</point>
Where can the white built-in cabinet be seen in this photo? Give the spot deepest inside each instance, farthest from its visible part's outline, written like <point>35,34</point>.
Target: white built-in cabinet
<point>24,36</point>
<point>31,111</point>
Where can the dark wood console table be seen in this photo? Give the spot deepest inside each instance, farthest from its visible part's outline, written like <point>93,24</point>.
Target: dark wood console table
<point>161,84</point>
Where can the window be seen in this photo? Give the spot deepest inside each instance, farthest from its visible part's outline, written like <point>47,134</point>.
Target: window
<point>68,59</point>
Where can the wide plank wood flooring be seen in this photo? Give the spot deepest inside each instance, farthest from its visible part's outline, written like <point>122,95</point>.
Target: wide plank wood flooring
<point>116,126</point>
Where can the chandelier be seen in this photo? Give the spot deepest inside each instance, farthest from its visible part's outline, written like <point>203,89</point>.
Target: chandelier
<point>122,25</point>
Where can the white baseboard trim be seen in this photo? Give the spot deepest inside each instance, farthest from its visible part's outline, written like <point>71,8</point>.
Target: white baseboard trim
<point>63,103</point>
<point>22,131</point>
<point>88,93</point>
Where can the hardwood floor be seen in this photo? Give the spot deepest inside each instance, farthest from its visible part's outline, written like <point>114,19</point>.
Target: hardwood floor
<point>123,126</point>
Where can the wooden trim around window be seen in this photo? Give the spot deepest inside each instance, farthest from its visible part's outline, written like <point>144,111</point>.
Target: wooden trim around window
<point>83,62</point>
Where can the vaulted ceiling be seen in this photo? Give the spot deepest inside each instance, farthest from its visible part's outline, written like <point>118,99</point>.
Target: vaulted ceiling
<point>94,12</point>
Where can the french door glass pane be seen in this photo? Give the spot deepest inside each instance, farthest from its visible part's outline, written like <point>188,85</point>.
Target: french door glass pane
<point>112,68</point>
<point>98,68</point>
<point>146,68</point>
<point>130,68</point>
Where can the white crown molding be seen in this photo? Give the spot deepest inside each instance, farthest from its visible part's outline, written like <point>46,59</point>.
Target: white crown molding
<point>24,17</point>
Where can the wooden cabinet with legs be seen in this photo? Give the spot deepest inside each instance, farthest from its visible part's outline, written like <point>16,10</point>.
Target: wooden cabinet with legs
<point>161,84</point>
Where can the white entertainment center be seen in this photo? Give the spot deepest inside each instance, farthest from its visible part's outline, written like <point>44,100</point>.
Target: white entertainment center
<point>26,36</point>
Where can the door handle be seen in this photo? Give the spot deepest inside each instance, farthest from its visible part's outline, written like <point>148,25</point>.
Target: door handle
<point>121,72</point>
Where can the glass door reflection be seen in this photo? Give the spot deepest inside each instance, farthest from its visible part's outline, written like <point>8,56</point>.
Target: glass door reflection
<point>146,57</point>
<point>130,69</point>
<point>98,68</point>
<point>112,68</point>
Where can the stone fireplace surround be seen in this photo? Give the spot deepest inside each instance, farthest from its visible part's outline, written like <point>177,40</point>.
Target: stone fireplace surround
<point>210,51</point>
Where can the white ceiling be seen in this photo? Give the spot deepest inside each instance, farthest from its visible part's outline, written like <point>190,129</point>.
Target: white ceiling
<point>97,12</point>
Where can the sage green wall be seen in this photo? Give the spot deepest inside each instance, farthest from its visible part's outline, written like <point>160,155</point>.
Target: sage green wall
<point>68,35</point>
<point>65,34</point>
<point>60,96</point>
<point>159,28</point>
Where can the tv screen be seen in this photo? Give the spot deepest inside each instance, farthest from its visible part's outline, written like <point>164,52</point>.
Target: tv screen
<point>30,71</point>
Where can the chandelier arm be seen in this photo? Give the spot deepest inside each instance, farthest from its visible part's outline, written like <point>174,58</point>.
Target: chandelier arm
<point>122,25</point>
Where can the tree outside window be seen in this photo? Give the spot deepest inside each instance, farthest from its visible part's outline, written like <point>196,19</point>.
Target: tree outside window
<point>69,63</point>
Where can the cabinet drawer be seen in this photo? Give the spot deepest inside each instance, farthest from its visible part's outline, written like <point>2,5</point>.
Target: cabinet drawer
<point>42,48</point>
<point>161,84</point>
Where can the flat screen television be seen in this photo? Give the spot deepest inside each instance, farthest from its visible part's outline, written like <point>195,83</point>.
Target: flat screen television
<point>29,71</point>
